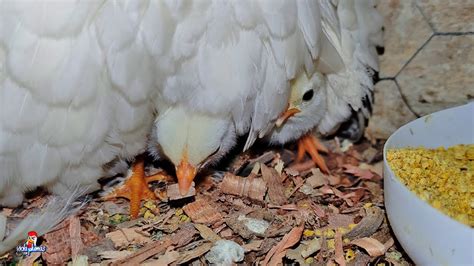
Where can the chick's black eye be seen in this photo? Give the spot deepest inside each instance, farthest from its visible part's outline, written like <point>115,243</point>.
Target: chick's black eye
<point>308,95</point>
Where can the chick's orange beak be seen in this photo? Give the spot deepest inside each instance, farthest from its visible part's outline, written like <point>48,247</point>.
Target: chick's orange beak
<point>185,173</point>
<point>285,115</point>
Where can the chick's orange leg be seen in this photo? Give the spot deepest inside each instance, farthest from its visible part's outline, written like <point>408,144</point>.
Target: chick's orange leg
<point>310,144</point>
<point>136,188</point>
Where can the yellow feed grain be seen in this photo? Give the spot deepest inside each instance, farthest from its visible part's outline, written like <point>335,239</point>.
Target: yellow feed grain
<point>442,177</point>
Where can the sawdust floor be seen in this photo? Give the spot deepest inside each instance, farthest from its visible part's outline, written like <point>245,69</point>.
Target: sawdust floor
<point>272,209</point>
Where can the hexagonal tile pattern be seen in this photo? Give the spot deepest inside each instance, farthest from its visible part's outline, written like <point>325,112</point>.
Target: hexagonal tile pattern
<point>390,111</point>
<point>441,75</point>
<point>449,15</point>
<point>406,31</point>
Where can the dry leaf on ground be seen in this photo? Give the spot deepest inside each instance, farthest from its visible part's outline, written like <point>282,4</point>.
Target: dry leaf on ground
<point>169,257</point>
<point>368,225</point>
<point>356,171</point>
<point>372,245</point>
<point>276,254</point>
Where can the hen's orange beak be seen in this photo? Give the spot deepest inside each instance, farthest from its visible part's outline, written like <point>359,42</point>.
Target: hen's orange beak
<point>185,173</point>
<point>287,114</point>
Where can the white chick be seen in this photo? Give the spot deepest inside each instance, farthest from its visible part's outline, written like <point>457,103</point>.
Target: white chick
<point>325,98</point>
<point>191,141</point>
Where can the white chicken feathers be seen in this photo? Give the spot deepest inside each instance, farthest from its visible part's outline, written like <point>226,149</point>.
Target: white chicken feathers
<point>78,78</point>
<point>75,84</point>
<point>80,81</point>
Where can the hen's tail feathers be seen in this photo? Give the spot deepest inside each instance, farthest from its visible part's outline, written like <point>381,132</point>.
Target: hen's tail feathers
<point>56,211</point>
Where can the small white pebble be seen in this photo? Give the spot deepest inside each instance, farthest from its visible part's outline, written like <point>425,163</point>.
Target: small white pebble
<point>255,225</point>
<point>225,252</point>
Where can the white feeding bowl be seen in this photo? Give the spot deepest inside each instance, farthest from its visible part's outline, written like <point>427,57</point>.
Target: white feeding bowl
<point>427,235</point>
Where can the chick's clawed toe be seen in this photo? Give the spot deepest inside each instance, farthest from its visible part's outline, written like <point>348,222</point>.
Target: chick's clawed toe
<point>136,187</point>
<point>311,145</point>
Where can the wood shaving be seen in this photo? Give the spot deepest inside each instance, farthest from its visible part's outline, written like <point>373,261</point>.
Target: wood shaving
<point>254,188</point>
<point>340,208</point>
<point>201,211</point>
<point>194,253</point>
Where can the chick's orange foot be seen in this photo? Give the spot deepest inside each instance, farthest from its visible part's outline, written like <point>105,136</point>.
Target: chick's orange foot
<point>311,145</point>
<point>136,187</point>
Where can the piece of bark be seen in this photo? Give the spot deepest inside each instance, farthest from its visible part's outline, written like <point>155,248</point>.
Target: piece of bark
<point>75,236</point>
<point>253,245</point>
<point>239,228</point>
<point>172,191</point>
<point>361,259</point>
<point>113,255</point>
<point>58,245</point>
<point>286,207</point>
<point>227,233</point>
<point>262,159</point>
<point>276,191</point>
<point>368,225</point>
<point>254,188</point>
<point>201,211</point>
<point>126,236</point>
<point>339,220</point>
<point>304,250</point>
<point>193,253</point>
<point>339,253</point>
<point>144,253</point>
<point>317,179</point>
<point>184,236</point>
